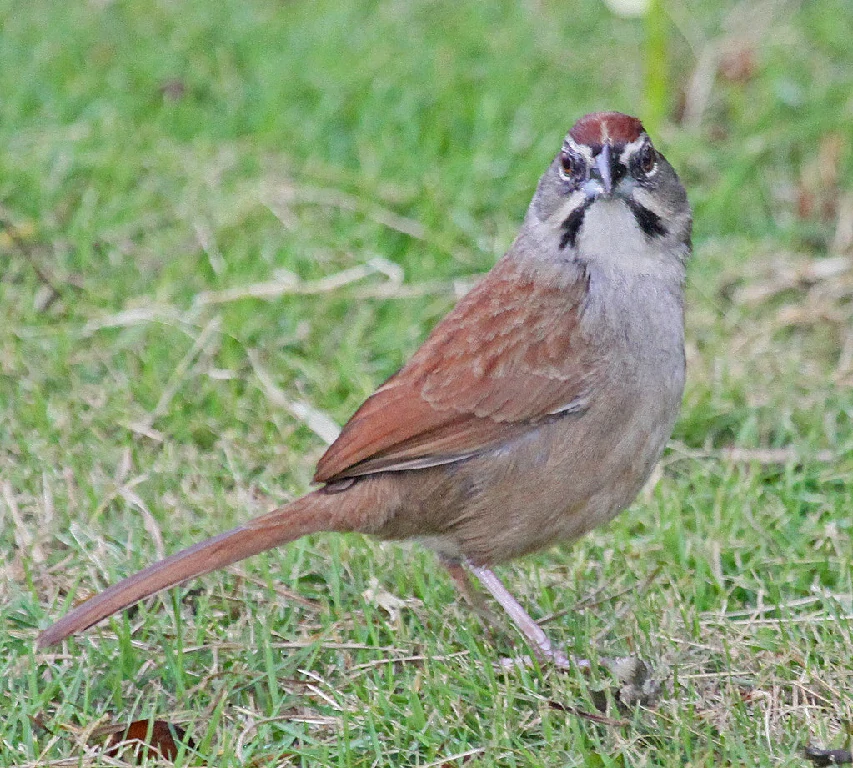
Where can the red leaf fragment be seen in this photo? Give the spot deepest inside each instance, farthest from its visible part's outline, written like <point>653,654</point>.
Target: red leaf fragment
<point>152,739</point>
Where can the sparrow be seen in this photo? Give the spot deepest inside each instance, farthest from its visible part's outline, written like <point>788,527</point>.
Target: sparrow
<point>534,411</point>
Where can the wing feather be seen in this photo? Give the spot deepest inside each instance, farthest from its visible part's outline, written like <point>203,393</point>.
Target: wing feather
<point>511,354</point>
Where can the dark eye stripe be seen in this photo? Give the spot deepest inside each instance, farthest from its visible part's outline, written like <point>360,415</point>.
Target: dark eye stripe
<point>647,220</point>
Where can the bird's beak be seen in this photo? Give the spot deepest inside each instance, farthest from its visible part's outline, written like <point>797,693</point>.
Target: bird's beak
<point>602,165</point>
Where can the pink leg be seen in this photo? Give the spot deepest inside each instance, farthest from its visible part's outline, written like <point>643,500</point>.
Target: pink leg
<point>472,596</point>
<point>536,637</point>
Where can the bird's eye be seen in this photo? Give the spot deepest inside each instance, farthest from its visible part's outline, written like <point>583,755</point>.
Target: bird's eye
<point>647,159</point>
<point>572,165</point>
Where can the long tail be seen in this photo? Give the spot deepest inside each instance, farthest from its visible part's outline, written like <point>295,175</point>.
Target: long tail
<point>310,514</point>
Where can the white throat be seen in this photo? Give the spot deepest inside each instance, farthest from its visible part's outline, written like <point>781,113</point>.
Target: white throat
<point>611,237</point>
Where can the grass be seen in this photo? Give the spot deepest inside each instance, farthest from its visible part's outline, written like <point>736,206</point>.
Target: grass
<point>155,154</point>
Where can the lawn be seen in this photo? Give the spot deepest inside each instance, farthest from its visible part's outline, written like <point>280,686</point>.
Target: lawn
<point>222,225</point>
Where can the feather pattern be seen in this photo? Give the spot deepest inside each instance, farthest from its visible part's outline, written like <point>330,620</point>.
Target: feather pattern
<point>510,355</point>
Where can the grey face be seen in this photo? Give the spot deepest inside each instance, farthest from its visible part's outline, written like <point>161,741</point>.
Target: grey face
<point>632,172</point>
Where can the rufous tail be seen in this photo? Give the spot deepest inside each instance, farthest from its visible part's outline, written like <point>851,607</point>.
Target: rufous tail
<point>315,512</point>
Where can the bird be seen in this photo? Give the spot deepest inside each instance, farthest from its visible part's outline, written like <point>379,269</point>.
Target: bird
<point>533,412</point>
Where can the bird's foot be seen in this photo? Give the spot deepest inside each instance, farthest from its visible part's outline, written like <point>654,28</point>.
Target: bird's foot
<point>545,652</point>
<point>556,659</point>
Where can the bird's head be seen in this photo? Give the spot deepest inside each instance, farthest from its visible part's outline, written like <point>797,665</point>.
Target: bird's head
<point>609,187</point>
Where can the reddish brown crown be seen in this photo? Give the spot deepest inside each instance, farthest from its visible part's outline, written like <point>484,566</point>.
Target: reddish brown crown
<point>602,127</point>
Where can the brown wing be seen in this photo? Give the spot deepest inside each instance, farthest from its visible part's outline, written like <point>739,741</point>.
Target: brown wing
<point>509,355</point>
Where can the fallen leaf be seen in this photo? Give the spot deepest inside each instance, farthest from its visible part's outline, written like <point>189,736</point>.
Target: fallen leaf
<point>149,739</point>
